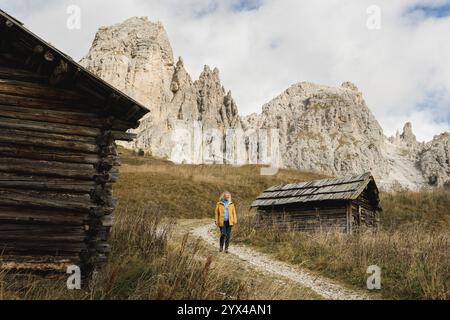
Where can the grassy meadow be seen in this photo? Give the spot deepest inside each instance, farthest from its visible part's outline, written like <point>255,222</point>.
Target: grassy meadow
<point>153,259</point>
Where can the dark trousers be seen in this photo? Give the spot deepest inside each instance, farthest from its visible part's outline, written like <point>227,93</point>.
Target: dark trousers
<point>225,235</point>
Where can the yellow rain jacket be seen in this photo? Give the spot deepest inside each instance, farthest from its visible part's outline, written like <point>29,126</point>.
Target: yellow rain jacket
<point>220,214</point>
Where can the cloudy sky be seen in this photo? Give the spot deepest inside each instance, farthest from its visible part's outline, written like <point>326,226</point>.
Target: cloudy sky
<point>263,46</point>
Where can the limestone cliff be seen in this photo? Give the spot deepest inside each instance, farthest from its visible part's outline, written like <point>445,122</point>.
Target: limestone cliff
<point>325,129</point>
<point>434,160</point>
<point>188,120</point>
<point>309,126</point>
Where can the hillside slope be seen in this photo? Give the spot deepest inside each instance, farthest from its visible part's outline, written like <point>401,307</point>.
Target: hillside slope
<point>414,233</point>
<point>152,258</point>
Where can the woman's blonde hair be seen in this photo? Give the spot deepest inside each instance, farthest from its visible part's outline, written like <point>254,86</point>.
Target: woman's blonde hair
<point>222,196</point>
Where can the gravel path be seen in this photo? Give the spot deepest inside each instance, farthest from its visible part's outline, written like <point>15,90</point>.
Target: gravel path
<point>322,286</point>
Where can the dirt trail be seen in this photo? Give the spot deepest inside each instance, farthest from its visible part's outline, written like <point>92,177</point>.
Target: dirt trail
<point>322,286</point>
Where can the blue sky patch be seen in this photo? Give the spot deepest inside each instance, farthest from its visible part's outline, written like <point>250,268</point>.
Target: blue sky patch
<point>275,43</point>
<point>247,5</point>
<point>431,11</point>
<point>437,102</point>
<point>210,8</point>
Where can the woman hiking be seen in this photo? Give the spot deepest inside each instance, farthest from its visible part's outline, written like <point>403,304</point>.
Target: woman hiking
<point>225,214</point>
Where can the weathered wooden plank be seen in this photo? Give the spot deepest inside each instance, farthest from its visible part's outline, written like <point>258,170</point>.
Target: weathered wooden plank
<point>51,135</point>
<point>39,139</point>
<point>41,247</point>
<point>48,104</point>
<point>34,201</point>
<point>49,217</point>
<point>75,197</point>
<point>56,169</point>
<point>7,73</point>
<point>64,117</point>
<point>26,229</point>
<point>48,185</point>
<point>53,116</point>
<point>51,154</point>
<point>8,59</point>
<point>37,90</point>
<point>49,168</point>
<point>44,235</point>
<point>42,126</point>
<point>29,262</point>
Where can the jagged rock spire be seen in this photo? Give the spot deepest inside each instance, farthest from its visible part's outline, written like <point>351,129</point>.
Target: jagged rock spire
<point>321,128</point>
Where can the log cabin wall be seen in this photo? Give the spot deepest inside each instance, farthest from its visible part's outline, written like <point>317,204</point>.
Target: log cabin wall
<point>320,218</point>
<point>57,167</point>
<point>342,205</point>
<point>58,158</point>
<point>364,213</point>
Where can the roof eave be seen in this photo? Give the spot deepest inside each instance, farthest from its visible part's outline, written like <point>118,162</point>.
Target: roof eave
<point>138,109</point>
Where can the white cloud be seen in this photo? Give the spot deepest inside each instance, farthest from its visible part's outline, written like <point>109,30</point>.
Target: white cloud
<point>402,69</point>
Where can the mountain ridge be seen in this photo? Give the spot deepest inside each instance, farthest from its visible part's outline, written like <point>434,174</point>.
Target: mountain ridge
<point>308,126</point>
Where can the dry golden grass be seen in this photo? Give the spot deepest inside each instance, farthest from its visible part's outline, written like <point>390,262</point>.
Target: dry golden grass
<point>191,191</point>
<point>431,210</point>
<point>149,261</point>
<point>412,247</point>
<point>143,265</point>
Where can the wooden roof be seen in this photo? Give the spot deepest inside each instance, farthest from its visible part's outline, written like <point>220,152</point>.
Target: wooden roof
<point>347,188</point>
<point>62,70</point>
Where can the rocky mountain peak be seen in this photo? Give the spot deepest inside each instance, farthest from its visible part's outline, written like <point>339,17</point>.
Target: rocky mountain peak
<point>326,129</point>
<point>211,76</point>
<point>215,104</point>
<point>408,136</point>
<point>434,160</point>
<point>136,57</point>
<point>349,85</point>
<point>181,79</point>
<point>407,140</point>
<point>180,63</point>
<point>309,126</point>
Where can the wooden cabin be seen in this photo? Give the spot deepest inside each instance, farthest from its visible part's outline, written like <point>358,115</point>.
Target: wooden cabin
<point>340,204</point>
<point>58,158</point>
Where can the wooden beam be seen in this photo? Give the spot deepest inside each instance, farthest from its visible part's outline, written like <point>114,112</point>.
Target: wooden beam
<point>40,200</point>
<point>58,155</point>
<point>42,126</point>
<point>48,168</point>
<point>20,75</point>
<point>53,116</point>
<point>37,90</point>
<point>48,217</point>
<point>40,247</point>
<point>49,104</point>
<point>48,140</point>
<point>43,184</point>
